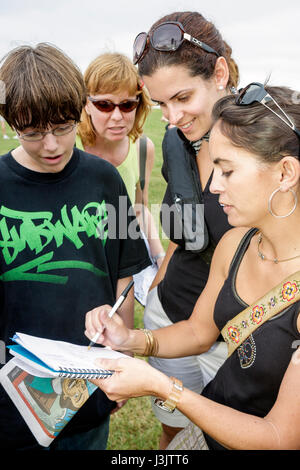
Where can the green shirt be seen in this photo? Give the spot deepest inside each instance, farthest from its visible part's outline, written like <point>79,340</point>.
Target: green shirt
<point>129,169</point>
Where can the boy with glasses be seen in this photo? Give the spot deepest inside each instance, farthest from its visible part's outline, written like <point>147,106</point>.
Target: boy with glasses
<point>61,253</point>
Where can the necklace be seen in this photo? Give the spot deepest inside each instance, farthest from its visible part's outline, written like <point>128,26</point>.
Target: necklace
<point>275,260</point>
<point>197,143</point>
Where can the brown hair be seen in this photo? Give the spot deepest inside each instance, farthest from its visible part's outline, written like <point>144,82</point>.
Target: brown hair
<point>257,129</point>
<point>114,73</point>
<point>198,61</point>
<point>42,86</point>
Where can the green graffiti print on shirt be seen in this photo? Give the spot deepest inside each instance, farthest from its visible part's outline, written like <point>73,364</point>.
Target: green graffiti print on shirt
<point>37,230</point>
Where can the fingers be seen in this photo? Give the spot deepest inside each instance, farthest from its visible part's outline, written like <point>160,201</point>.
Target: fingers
<point>131,378</point>
<point>107,384</point>
<point>110,364</point>
<point>112,331</point>
<point>119,405</point>
<point>95,321</point>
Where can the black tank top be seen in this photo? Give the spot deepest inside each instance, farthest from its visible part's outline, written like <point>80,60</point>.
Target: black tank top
<point>250,378</point>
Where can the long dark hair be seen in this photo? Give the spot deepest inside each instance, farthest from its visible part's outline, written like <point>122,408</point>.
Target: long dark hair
<point>197,61</point>
<point>256,129</point>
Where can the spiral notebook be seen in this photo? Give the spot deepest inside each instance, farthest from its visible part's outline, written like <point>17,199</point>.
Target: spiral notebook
<point>48,358</point>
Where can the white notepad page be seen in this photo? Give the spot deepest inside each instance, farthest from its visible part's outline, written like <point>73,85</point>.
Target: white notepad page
<point>62,355</point>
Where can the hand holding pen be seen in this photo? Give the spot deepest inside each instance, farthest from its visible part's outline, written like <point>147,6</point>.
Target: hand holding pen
<point>112,311</point>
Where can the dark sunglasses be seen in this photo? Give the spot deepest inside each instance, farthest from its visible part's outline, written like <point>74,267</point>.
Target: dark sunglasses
<point>255,92</point>
<point>107,106</point>
<point>166,37</point>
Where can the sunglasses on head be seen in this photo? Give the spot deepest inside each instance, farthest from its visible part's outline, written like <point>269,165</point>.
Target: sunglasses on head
<point>256,93</point>
<point>165,37</point>
<point>107,106</point>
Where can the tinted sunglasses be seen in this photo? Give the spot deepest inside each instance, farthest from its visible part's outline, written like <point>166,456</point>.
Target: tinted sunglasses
<point>165,37</point>
<point>255,92</point>
<point>107,106</point>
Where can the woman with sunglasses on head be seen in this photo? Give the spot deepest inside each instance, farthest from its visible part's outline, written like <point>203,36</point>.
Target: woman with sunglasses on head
<point>187,67</point>
<point>252,294</point>
<point>111,127</point>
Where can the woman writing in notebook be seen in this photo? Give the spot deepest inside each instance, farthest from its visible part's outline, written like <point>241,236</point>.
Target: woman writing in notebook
<point>254,400</point>
<point>111,127</point>
<point>186,66</point>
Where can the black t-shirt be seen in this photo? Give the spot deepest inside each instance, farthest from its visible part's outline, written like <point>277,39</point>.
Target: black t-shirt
<point>250,378</point>
<point>187,271</point>
<point>64,244</point>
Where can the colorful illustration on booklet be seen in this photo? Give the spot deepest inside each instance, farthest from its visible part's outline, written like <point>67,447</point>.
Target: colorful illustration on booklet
<point>51,401</point>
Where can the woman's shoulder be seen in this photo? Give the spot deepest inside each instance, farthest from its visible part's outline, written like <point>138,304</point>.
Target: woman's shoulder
<point>150,150</point>
<point>229,244</point>
<point>232,238</point>
<point>149,142</point>
<point>78,142</point>
<point>235,234</point>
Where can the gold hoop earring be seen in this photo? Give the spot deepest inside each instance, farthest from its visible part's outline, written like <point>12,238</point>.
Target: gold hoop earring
<point>291,211</point>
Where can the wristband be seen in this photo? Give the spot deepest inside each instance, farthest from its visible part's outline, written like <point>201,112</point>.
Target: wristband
<point>171,402</point>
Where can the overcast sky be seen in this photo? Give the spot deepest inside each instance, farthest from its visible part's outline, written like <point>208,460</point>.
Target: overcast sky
<point>264,34</point>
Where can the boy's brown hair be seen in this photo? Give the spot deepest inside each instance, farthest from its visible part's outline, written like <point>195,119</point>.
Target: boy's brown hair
<point>42,86</point>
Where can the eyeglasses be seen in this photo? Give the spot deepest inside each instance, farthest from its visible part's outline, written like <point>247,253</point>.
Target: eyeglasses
<point>57,131</point>
<point>255,92</point>
<point>107,106</point>
<point>165,37</point>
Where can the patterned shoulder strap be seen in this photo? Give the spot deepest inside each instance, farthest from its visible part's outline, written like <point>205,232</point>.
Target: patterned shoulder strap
<point>245,323</point>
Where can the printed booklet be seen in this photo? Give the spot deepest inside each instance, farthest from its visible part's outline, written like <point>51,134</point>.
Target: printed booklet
<point>48,381</point>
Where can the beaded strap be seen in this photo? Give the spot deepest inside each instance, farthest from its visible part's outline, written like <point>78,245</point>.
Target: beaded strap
<point>245,323</point>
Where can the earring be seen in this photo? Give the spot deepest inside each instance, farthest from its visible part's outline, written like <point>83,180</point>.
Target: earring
<point>220,87</point>
<point>270,204</point>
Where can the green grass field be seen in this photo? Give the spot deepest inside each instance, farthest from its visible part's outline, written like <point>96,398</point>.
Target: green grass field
<point>134,427</point>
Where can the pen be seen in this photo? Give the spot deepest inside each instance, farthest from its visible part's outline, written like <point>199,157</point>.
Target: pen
<point>113,310</point>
